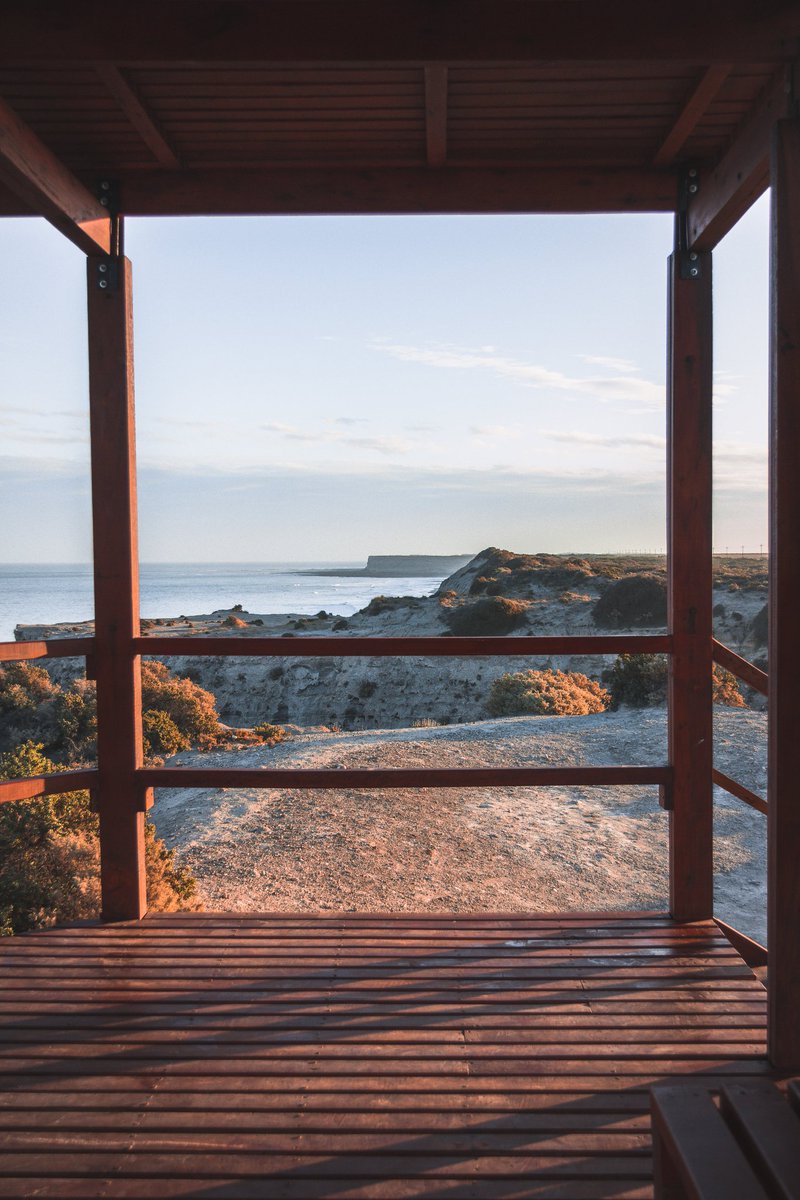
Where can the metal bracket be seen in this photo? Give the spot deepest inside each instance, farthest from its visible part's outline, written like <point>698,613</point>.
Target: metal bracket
<point>106,273</point>
<point>689,260</point>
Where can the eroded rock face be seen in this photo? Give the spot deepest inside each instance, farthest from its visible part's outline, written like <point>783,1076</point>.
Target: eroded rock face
<point>559,591</point>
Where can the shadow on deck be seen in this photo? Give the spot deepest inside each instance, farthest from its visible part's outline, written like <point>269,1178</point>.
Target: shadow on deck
<point>356,1056</point>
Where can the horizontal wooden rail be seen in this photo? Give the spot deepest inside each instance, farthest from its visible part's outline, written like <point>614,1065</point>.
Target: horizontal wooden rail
<point>739,791</point>
<point>753,953</point>
<point>52,648</point>
<point>744,670</point>
<point>397,647</point>
<point>416,777</point>
<point>47,785</point>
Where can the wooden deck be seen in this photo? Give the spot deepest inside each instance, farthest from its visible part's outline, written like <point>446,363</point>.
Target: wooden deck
<point>359,1056</point>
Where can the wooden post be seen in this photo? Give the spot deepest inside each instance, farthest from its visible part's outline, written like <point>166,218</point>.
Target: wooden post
<point>783,786</point>
<point>689,388</point>
<point>119,799</point>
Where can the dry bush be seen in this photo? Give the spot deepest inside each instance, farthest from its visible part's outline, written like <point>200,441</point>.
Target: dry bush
<point>725,689</point>
<point>639,680</point>
<point>191,708</point>
<point>546,693</point>
<point>50,856</point>
<point>235,622</point>
<point>381,604</point>
<point>161,736</point>
<point>491,616</point>
<point>634,600</point>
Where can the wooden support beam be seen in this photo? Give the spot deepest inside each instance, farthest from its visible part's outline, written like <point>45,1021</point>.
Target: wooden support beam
<point>739,791</point>
<point>727,192</point>
<point>689,392</point>
<point>783,779</point>
<point>51,648</point>
<point>740,667</point>
<point>45,185</point>
<point>333,646</point>
<point>389,31</point>
<point>46,785</point>
<point>374,779</point>
<point>120,796</point>
<point>134,108</point>
<point>694,108</point>
<point>450,189</point>
<point>436,115</point>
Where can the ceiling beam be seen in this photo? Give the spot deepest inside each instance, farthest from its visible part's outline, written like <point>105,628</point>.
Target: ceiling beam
<point>436,115</point>
<point>48,188</point>
<point>354,31</point>
<point>692,111</point>
<point>396,190</point>
<point>134,109</point>
<point>726,192</point>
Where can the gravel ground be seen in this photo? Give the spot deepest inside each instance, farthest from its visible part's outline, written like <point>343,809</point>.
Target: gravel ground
<point>488,849</point>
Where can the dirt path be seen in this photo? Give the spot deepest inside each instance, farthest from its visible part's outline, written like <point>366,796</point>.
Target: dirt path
<point>498,849</point>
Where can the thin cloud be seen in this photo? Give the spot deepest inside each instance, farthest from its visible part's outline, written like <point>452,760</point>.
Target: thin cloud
<point>445,357</point>
<point>625,365</point>
<point>638,441</point>
<point>493,432</point>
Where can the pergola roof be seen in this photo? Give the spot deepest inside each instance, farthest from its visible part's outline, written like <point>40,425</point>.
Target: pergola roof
<point>212,106</point>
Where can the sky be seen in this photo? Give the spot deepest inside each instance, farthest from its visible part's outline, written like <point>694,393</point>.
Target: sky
<point>326,388</point>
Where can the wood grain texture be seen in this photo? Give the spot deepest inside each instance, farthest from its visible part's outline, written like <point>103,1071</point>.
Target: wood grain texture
<point>783,817</point>
<point>360,1055</point>
<point>32,172</point>
<point>689,586</point>
<point>119,796</point>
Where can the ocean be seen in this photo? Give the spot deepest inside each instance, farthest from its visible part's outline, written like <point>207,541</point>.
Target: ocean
<point>44,594</point>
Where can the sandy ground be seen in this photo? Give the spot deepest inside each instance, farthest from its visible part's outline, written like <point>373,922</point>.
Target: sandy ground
<point>499,849</point>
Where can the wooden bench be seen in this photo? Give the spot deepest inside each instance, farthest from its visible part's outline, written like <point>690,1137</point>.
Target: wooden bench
<point>748,1148</point>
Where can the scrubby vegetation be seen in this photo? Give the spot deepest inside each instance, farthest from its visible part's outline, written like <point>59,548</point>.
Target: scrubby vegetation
<point>633,601</point>
<point>49,849</point>
<point>640,681</point>
<point>382,604</point>
<point>546,693</point>
<point>491,616</point>
<point>50,855</point>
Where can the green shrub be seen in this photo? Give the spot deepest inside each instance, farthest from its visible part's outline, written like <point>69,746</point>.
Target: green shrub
<point>50,855</point>
<point>546,693</point>
<point>639,680</point>
<point>634,600</point>
<point>160,735</point>
<point>491,616</point>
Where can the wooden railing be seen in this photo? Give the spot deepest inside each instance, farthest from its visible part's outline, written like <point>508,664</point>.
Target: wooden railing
<point>65,781</point>
<point>755,678</point>
<point>367,647</point>
<point>376,647</point>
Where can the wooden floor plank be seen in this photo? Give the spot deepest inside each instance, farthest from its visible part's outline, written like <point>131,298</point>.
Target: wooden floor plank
<point>360,1055</point>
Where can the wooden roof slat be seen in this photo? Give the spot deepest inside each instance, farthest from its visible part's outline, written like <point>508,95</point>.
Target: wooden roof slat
<point>136,112</point>
<point>397,31</point>
<point>697,104</point>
